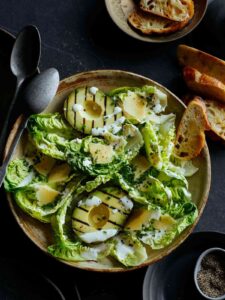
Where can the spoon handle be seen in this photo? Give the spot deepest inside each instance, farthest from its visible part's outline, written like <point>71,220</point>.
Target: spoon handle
<point>5,127</point>
<point>19,131</point>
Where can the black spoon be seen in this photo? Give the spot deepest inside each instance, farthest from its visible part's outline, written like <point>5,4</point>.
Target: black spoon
<point>36,96</point>
<point>24,61</point>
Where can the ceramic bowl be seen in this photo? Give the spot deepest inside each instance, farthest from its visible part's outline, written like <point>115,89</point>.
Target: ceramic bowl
<point>119,10</point>
<point>199,184</point>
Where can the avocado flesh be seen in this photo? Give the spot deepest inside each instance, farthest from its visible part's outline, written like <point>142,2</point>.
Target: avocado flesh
<point>139,218</point>
<point>45,165</point>
<point>134,107</point>
<point>94,110</point>
<point>46,195</point>
<point>140,164</point>
<point>166,222</point>
<point>101,154</point>
<point>59,173</point>
<point>108,214</point>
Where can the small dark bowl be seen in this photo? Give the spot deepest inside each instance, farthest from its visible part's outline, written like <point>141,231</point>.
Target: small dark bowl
<point>198,268</point>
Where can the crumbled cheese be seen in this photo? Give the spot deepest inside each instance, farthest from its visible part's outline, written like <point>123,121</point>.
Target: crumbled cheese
<point>157,108</point>
<point>114,210</point>
<point>78,107</point>
<point>98,236</point>
<point>93,90</point>
<point>77,140</point>
<point>123,250</point>
<point>87,162</point>
<point>116,127</point>
<point>116,111</point>
<point>93,201</point>
<point>91,253</point>
<point>151,236</point>
<point>156,214</point>
<point>127,203</point>
<point>120,120</point>
<point>99,131</point>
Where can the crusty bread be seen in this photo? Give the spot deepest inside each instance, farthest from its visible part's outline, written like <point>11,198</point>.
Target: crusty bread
<point>149,23</point>
<point>216,116</point>
<point>203,84</point>
<point>203,62</point>
<point>175,10</point>
<point>215,112</point>
<point>190,138</point>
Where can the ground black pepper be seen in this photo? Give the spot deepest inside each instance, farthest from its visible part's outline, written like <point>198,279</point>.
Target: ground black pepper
<point>211,277</point>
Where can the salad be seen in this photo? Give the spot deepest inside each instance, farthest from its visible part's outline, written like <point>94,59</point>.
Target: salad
<point>104,174</point>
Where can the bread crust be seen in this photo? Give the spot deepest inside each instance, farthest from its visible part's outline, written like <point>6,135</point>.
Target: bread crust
<point>152,24</point>
<point>147,6</point>
<point>202,61</point>
<point>204,84</point>
<point>190,138</point>
<point>215,112</point>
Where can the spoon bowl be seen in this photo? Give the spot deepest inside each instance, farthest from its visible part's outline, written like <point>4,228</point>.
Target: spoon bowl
<point>26,51</point>
<point>40,91</point>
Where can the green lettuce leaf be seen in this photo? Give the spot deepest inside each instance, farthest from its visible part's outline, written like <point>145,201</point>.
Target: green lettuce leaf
<point>67,245</point>
<point>128,250</point>
<point>26,199</point>
<point>51,134</point>
<point>19,174</point>
<point>160,238</point>
<point>80,159</point>
<point>159,134</point>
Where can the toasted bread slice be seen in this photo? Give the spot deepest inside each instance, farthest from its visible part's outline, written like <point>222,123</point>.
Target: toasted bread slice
<point>215,112</point>
<point>149,23</point>
<point>175,10</point>
<point>203,62</point>
<point>216,116</point>
<point>190,138</point>
<point>203,84</point>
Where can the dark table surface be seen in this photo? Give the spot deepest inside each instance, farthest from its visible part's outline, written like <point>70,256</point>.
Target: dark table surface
<point>78,35</point>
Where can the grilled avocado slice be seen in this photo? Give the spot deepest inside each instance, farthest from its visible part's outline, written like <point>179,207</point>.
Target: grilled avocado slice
<point>85,110</point>
<point>101,215</point>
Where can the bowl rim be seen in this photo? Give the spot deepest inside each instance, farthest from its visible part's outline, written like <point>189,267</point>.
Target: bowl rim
<point>66,84</point>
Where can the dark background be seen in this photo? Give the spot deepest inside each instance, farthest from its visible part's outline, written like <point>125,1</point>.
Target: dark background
<point>79,35</point>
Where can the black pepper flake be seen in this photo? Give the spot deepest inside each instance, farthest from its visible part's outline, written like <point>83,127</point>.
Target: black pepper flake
<point>211,277</point>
